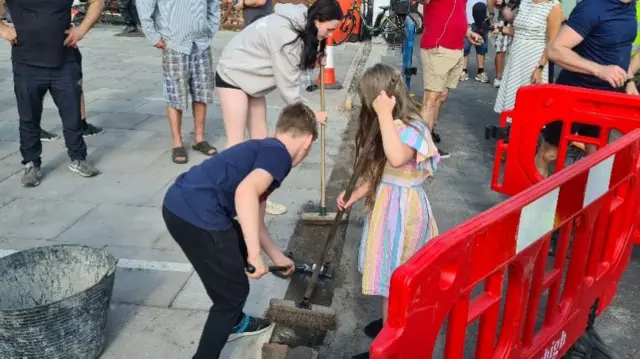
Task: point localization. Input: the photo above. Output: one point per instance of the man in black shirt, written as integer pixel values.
(44, 59)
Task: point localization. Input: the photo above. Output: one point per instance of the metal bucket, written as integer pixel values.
(54, 302)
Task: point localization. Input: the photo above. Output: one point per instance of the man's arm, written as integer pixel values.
(146, 9)
(213, 16)
(247, 199)
(254, 3)
(94, 12)
(634, 66)
(560, 51)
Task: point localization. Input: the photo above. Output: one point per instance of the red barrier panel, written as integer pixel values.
(600, 197)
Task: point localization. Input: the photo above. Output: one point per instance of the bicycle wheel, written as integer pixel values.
(345, 29)
(417, 19)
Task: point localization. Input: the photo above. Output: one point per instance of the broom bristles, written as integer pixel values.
(285, 312)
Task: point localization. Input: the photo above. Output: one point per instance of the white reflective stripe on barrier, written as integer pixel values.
(538, 217)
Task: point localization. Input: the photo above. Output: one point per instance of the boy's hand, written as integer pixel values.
(281, 260)
(342, 205)
(260, 265)
(383, 104)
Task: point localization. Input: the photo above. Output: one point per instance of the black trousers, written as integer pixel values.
(129, 12)
(219, 258)
(31, 84)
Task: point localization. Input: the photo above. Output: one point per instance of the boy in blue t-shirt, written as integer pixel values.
(199, 210)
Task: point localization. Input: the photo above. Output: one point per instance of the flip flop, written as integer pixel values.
(205, 148)
(179, 152)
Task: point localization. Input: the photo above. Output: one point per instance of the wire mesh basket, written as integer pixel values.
(54, 302)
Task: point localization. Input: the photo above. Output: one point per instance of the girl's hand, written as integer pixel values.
(321, 116)
(536, 76)
(341, 203)
(383, 104)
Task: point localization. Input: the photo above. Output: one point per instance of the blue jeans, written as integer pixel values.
(31, 83)
(480, 50)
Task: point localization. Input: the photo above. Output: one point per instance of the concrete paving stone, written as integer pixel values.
(194, 296)
(146, 287)
(110, 224)
(147, 254)
(306, 176)
(117, 106)
(148, 332)
(127, 121)
(19, 244)
(8, 129)
(151, 107)
(112, 161)
(157, 200)
(30, 218)
(120, 139)
(166, 242)
(281, 228)
(132, 189)
(8, 147)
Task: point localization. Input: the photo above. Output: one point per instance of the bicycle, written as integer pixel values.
(390, 27)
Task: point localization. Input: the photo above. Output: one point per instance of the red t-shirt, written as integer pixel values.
(445, 24)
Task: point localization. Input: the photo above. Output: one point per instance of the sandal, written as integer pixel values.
(205, 148)
(179, 155)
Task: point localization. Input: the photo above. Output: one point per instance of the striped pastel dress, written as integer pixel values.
(401, 221)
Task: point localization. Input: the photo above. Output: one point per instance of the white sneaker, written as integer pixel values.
(482, 78)
(464, 76)
(496, 83)
(275, 209)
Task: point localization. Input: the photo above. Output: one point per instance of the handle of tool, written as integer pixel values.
(323, 165)
(371, 135)
(251, 269)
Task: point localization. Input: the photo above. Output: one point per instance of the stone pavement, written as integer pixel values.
(159, 305)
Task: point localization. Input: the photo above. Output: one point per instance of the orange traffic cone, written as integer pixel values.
(329, 71)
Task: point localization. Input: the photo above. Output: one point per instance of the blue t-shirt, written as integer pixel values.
(205, 195)
(608, 28)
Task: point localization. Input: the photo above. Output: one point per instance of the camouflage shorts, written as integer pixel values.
(185, 75)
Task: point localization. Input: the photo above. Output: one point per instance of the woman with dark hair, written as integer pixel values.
(271, 53)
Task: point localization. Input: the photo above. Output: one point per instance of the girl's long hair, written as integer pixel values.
(370, 162)
(312, 48)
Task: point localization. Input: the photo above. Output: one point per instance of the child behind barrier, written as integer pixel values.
(401, 159)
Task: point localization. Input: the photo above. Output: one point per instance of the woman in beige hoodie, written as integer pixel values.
(270, 54)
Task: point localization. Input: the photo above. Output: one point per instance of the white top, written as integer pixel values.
(470, 4)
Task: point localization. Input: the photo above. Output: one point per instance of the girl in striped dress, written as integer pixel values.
(403, 157)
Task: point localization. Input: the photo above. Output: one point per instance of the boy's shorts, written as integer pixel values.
(502, 42)
(441, 68)
(185, 75)
(480, 49)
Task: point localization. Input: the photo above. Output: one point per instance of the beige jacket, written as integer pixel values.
(256, 61)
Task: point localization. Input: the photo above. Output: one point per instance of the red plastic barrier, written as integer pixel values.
(600, 197)
(537, 106)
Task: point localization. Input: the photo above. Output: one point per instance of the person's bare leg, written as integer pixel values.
(547, 153)
(429, 108)
(480, 61)
(499, 64)
(257, 119)
(175, 122)
(235, 109)
(465, 66)
(257, 123)
(442, 98)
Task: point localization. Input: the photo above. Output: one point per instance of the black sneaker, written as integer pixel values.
(91, 130)
(373, 329)
(47, 136)
(444, 154)
(435, 137)
(31, 176)
(83, 168)
(249, 326)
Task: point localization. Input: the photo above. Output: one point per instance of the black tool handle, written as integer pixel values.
(251, 269)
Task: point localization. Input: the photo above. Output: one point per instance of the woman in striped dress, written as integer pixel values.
(537, 23)
(391, 175)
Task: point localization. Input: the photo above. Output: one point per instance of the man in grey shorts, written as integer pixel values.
(183, 30)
